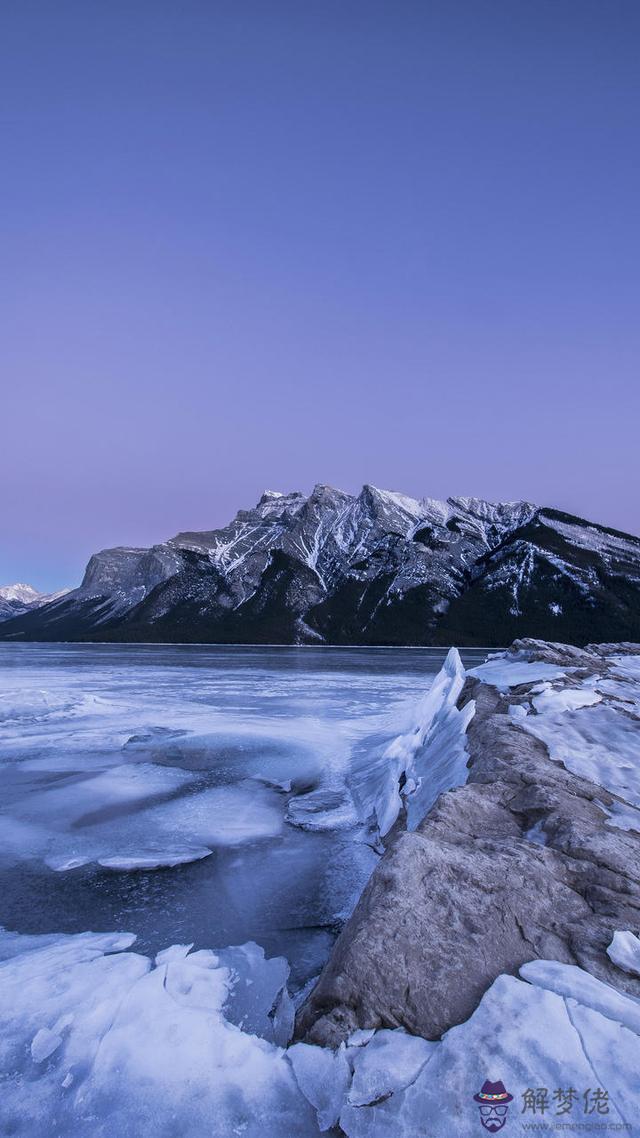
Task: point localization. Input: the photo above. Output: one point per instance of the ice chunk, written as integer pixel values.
(389, 1063)
(258, 1000)
(623, 816)
(518, 711)
(152, 859)
(174, 952)
(420, 764)
(322, 809)
(624, 950)
(505, 673)
(569, 981)
(96, 1041)
(323, 1077)
(523, 1035)
(440, 764)
(565, 699)
(43, 1044)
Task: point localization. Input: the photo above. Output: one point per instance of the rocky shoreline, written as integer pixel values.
(524, 862)
(494, 954)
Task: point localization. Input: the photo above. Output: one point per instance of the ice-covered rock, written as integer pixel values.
(592, 737)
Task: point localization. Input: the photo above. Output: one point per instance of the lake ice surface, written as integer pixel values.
(194, 794)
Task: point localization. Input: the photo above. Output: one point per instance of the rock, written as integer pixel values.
(515, 866)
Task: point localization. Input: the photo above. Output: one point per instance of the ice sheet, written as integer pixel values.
(152, 859)
(96, 1040)
(422, 762)
(597, 742)
(505, 673)
(564, 699)
(97, 1044)
(121, 767)
(525, 1035)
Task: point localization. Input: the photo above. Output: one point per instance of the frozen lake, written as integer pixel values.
(194, 794)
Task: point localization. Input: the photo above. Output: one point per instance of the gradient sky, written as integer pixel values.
(262, 243)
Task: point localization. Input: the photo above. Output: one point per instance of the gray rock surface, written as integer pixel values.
(519, 864)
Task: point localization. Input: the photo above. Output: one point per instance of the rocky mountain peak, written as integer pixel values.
(379, 567)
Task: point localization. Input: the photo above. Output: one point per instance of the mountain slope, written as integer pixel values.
(20, 598)
(376, 568)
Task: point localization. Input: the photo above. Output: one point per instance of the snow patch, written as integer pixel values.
(624, 950)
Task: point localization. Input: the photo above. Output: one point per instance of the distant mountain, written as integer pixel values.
(21, 598)
(376, 568)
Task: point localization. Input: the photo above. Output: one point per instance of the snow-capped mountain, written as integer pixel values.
(376, 568)
(20, 598)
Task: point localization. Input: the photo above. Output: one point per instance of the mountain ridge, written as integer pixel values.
(379, 567)
(19, 598)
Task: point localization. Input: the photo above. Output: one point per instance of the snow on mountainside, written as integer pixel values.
(19, 598)
(374, 568)
(24, 594)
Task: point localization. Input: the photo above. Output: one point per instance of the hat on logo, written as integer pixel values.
(493, 1094)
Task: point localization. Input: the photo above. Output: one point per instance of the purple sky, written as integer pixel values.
(250, 244)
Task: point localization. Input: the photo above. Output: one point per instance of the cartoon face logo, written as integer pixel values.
(494, 1101)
